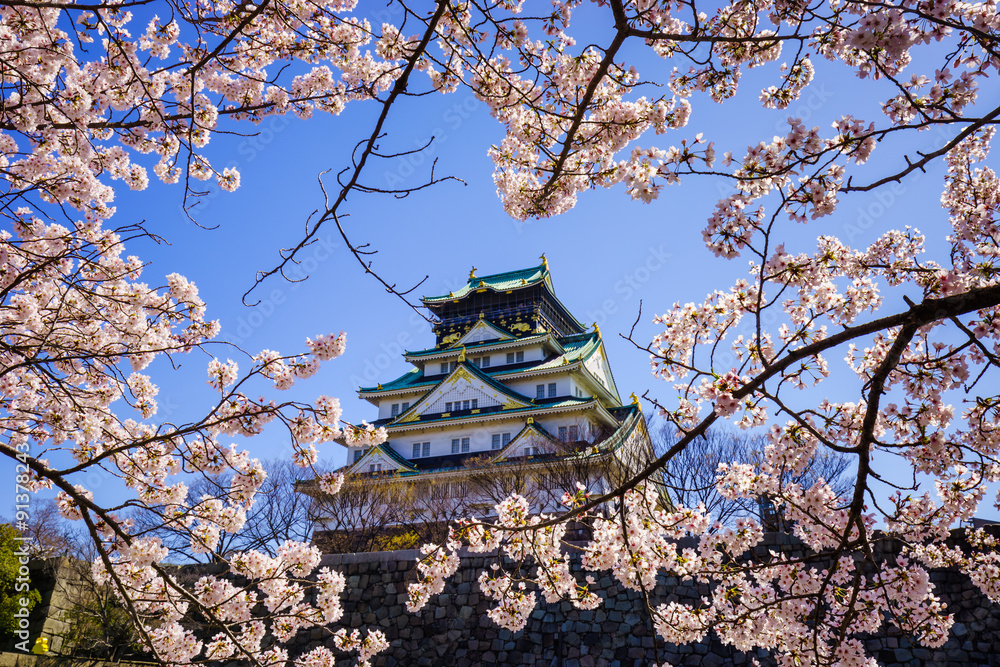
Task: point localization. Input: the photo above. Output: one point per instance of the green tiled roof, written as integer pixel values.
(576, 348)
(526, 340)
(569, 401)
(539, 429)
(390, 453)
(499, 282)
(474, 372)
(411, 378)
(499, 386)
(630, 418)
(396, 456)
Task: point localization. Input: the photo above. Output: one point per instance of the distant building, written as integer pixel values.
(515, 388)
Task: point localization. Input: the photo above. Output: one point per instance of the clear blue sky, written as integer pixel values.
(605, 255)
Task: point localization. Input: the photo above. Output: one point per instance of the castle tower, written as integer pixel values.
(513, 379)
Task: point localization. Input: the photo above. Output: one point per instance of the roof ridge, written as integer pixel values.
(545, 267)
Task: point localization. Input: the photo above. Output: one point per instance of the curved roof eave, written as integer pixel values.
(497, 282)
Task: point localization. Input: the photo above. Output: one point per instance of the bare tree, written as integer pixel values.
(99, 624)
(690, 477)
(368, 514)
(48, 533)
(279, 514)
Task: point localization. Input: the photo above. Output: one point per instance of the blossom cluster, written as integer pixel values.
(78, 335)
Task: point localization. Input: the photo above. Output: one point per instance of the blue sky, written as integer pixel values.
(605, 255)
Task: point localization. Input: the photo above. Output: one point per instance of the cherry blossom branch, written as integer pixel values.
(926, 158)
(332, 210)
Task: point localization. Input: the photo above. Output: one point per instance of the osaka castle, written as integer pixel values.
(514, 388)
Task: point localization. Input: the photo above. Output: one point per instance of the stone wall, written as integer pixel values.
(453, 629)
(59, 583)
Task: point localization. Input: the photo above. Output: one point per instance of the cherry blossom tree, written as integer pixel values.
(92, 95)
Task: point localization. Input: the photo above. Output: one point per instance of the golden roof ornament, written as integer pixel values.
(472, 273)
(545, 262)
(635, 401)
(597, 329)
(461, 355)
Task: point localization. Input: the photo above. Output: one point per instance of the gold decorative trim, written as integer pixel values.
(460, 374)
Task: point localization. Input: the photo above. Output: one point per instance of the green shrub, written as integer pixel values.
(15, 587)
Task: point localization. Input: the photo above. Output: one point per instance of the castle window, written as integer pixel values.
(552, 390)
(500, 440)
(427, 449)
(454, 445)
(465, 445)
(405, 407)
(421, 449)
(444, 367)
(453, 365)
(358, 453)
(375, 467)
(531, 451)
(486, 362)
(465, 405)
(562, 433)
(510, 357)
(520, 356)
(395, 409)
(416, 450)
(540, 391)
(475, 403)
(574, 433)
(447, 407)
(476, 361)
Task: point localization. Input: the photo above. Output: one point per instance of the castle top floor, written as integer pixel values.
(523, 302)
